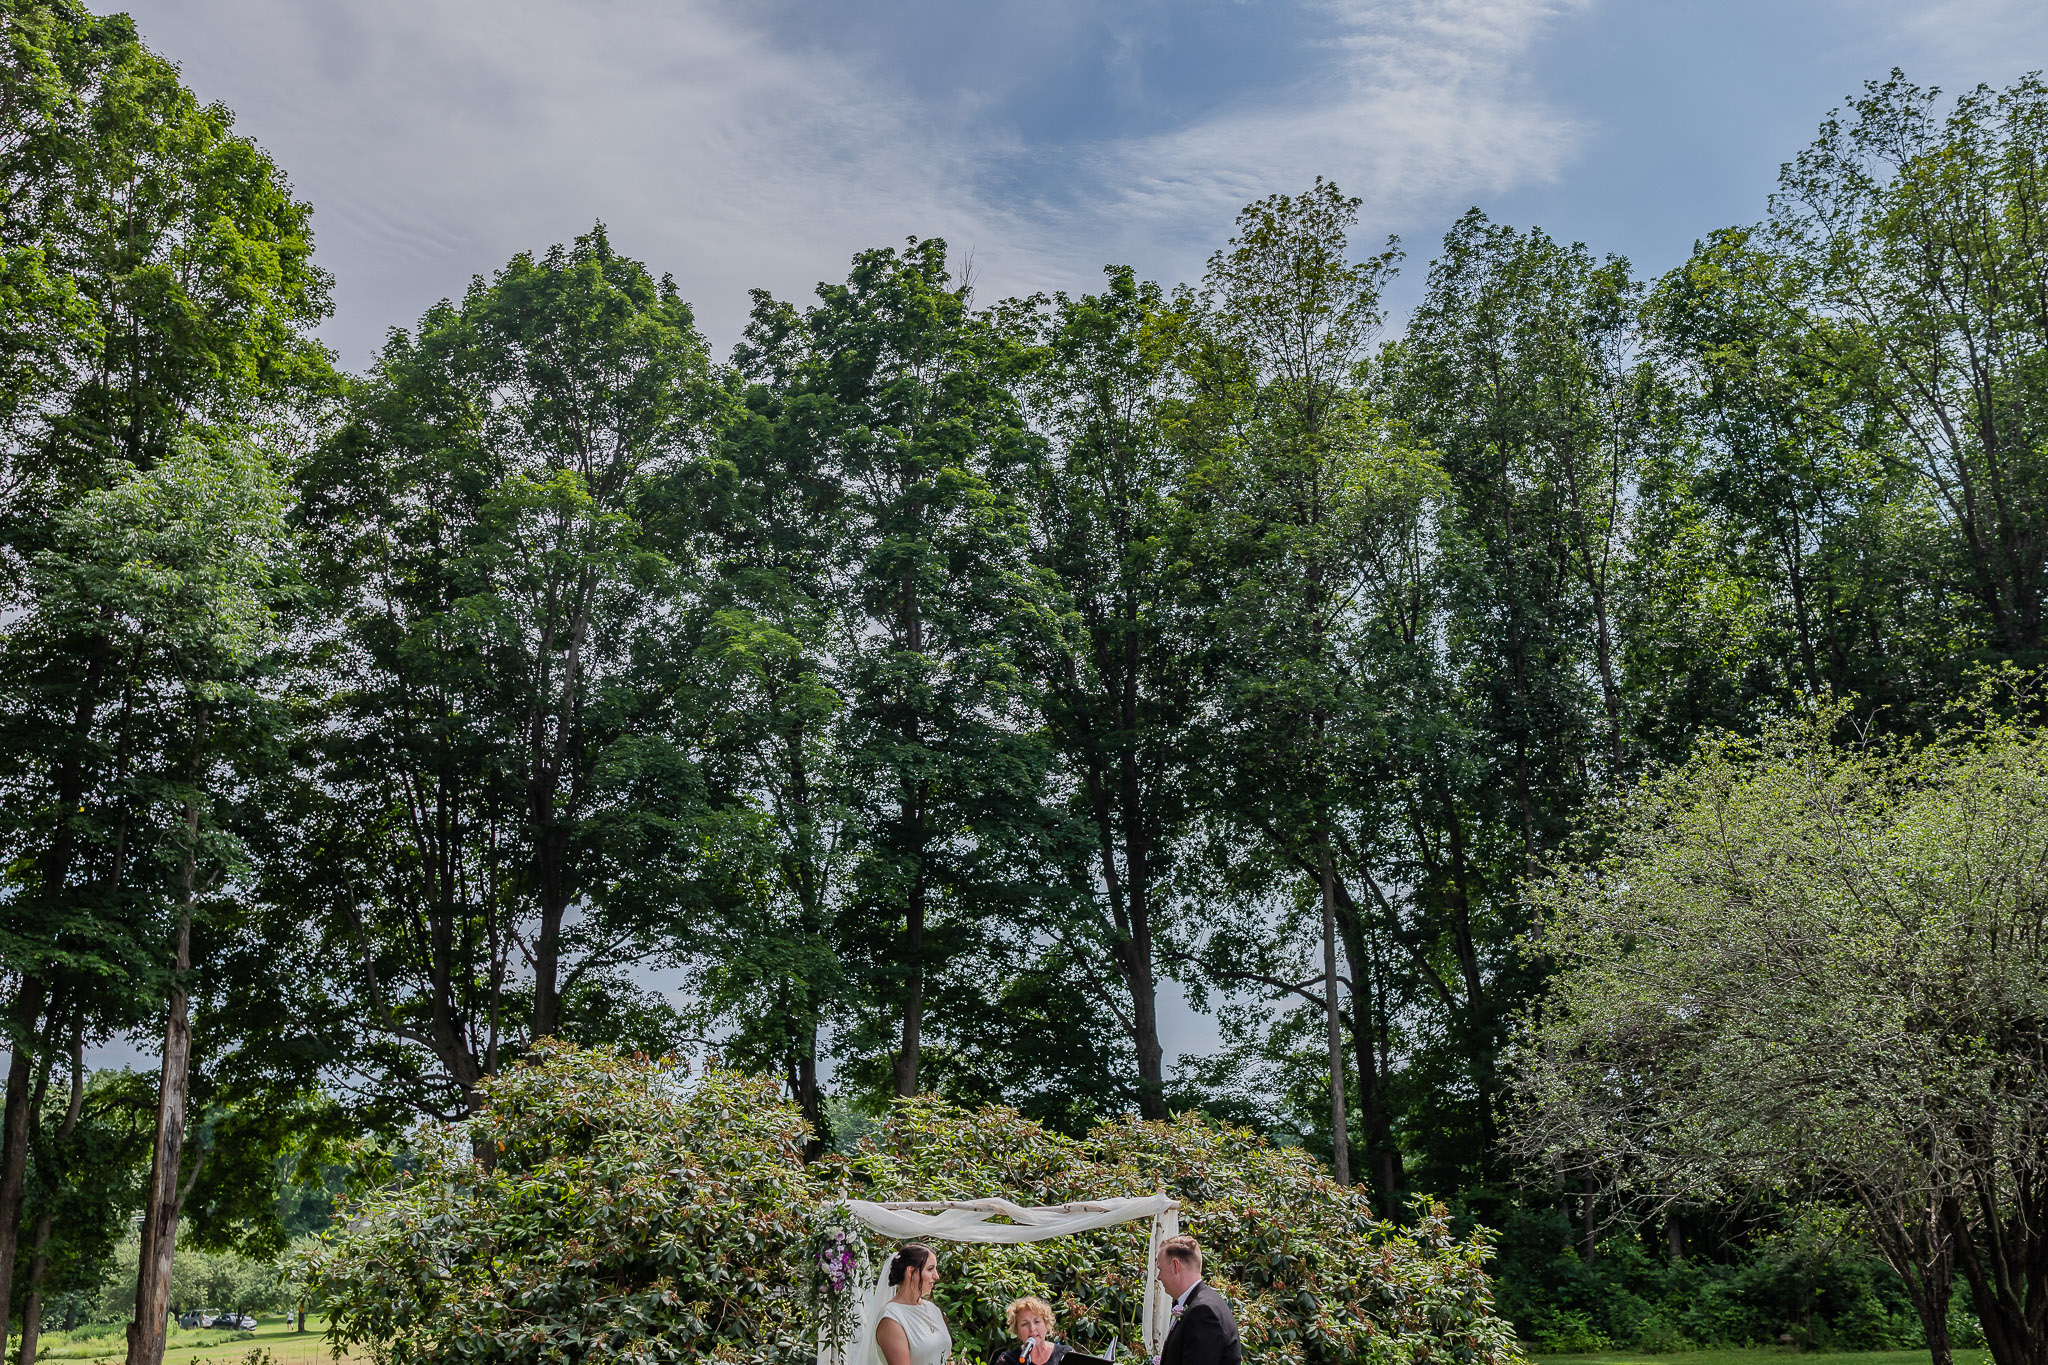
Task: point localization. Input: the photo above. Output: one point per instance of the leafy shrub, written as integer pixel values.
(1659, 1337)
(1822, 1289)
(594, 1206)
(1557, 1331)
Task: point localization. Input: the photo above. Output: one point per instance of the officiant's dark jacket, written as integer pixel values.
(1206, 1333)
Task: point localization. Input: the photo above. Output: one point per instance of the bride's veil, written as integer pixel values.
(860, 1349)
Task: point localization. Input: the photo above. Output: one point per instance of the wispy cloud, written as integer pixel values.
(1424, 103)
(436, 137)
(1994, 39)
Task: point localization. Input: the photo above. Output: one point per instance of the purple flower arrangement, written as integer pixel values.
(837, 1260)
(836, 1279)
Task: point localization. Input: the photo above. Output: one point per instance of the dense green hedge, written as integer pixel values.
(603, 1206)
(1813, 1290)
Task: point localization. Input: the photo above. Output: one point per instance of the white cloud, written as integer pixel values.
(436, 137)
(1426, 105)
(1995, 40)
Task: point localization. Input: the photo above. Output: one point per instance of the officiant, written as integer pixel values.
(1031, 1324)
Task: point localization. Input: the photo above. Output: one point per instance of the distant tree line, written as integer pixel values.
(931, 681)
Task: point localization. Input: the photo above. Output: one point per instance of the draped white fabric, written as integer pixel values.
(968, 1222)
(1158, 1303)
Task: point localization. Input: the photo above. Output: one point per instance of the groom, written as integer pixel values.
(1204, 1332)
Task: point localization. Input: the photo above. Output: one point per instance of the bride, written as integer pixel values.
(912, 1330)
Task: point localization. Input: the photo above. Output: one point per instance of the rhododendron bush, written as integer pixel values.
(603, 1206)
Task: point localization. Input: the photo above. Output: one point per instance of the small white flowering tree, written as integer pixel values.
(1821, 968)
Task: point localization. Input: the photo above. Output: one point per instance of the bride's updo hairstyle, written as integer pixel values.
(910, 1256)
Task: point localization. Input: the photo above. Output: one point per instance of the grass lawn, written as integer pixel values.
(273, 1335)
(1759, 1356)
(290, 1348)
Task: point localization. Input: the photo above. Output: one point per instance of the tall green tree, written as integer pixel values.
(1926, 232)
(1116, 696)
(503, 531)
(157, 279)
(1785, 549)
(174, 572)
(903, 393)
(1307, 510)
(769, 950)
(1520, 370)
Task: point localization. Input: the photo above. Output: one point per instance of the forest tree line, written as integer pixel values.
(930, 683)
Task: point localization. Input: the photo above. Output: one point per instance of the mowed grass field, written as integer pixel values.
(273, 1335)
(287, 1347)
(1760, 1356)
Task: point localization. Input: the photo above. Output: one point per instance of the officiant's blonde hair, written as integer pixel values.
(1019, 1308)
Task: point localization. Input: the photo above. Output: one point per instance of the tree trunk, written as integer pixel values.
(1139, 970)
(1920, 1243)
(14, 1125)
(911, 807)
(39, 1260)
(1795, 580)
(2007, 1267)
(1145, 1025)
(913, 1000)
(1478, 1008)
(1940, 1350)
(1375, 1124)
(809, 1100)
(160, 1213)
(547, 975)
(32, 1307)
(1129, 893)
(1931, 1297)
(1340, 1136)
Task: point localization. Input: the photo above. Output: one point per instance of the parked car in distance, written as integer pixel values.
(198, 1317)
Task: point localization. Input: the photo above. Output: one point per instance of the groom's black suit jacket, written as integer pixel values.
(1206, 1333)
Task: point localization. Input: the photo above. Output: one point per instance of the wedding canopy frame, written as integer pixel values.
(967, 1221)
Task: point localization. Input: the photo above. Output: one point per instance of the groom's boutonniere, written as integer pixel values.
(1178, 1309)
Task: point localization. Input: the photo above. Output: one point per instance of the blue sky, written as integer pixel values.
(759, 143)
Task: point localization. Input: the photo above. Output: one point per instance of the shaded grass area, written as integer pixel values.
(190, 1346)
(1762, 1355)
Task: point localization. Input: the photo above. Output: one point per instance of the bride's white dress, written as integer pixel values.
(925, 1328)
